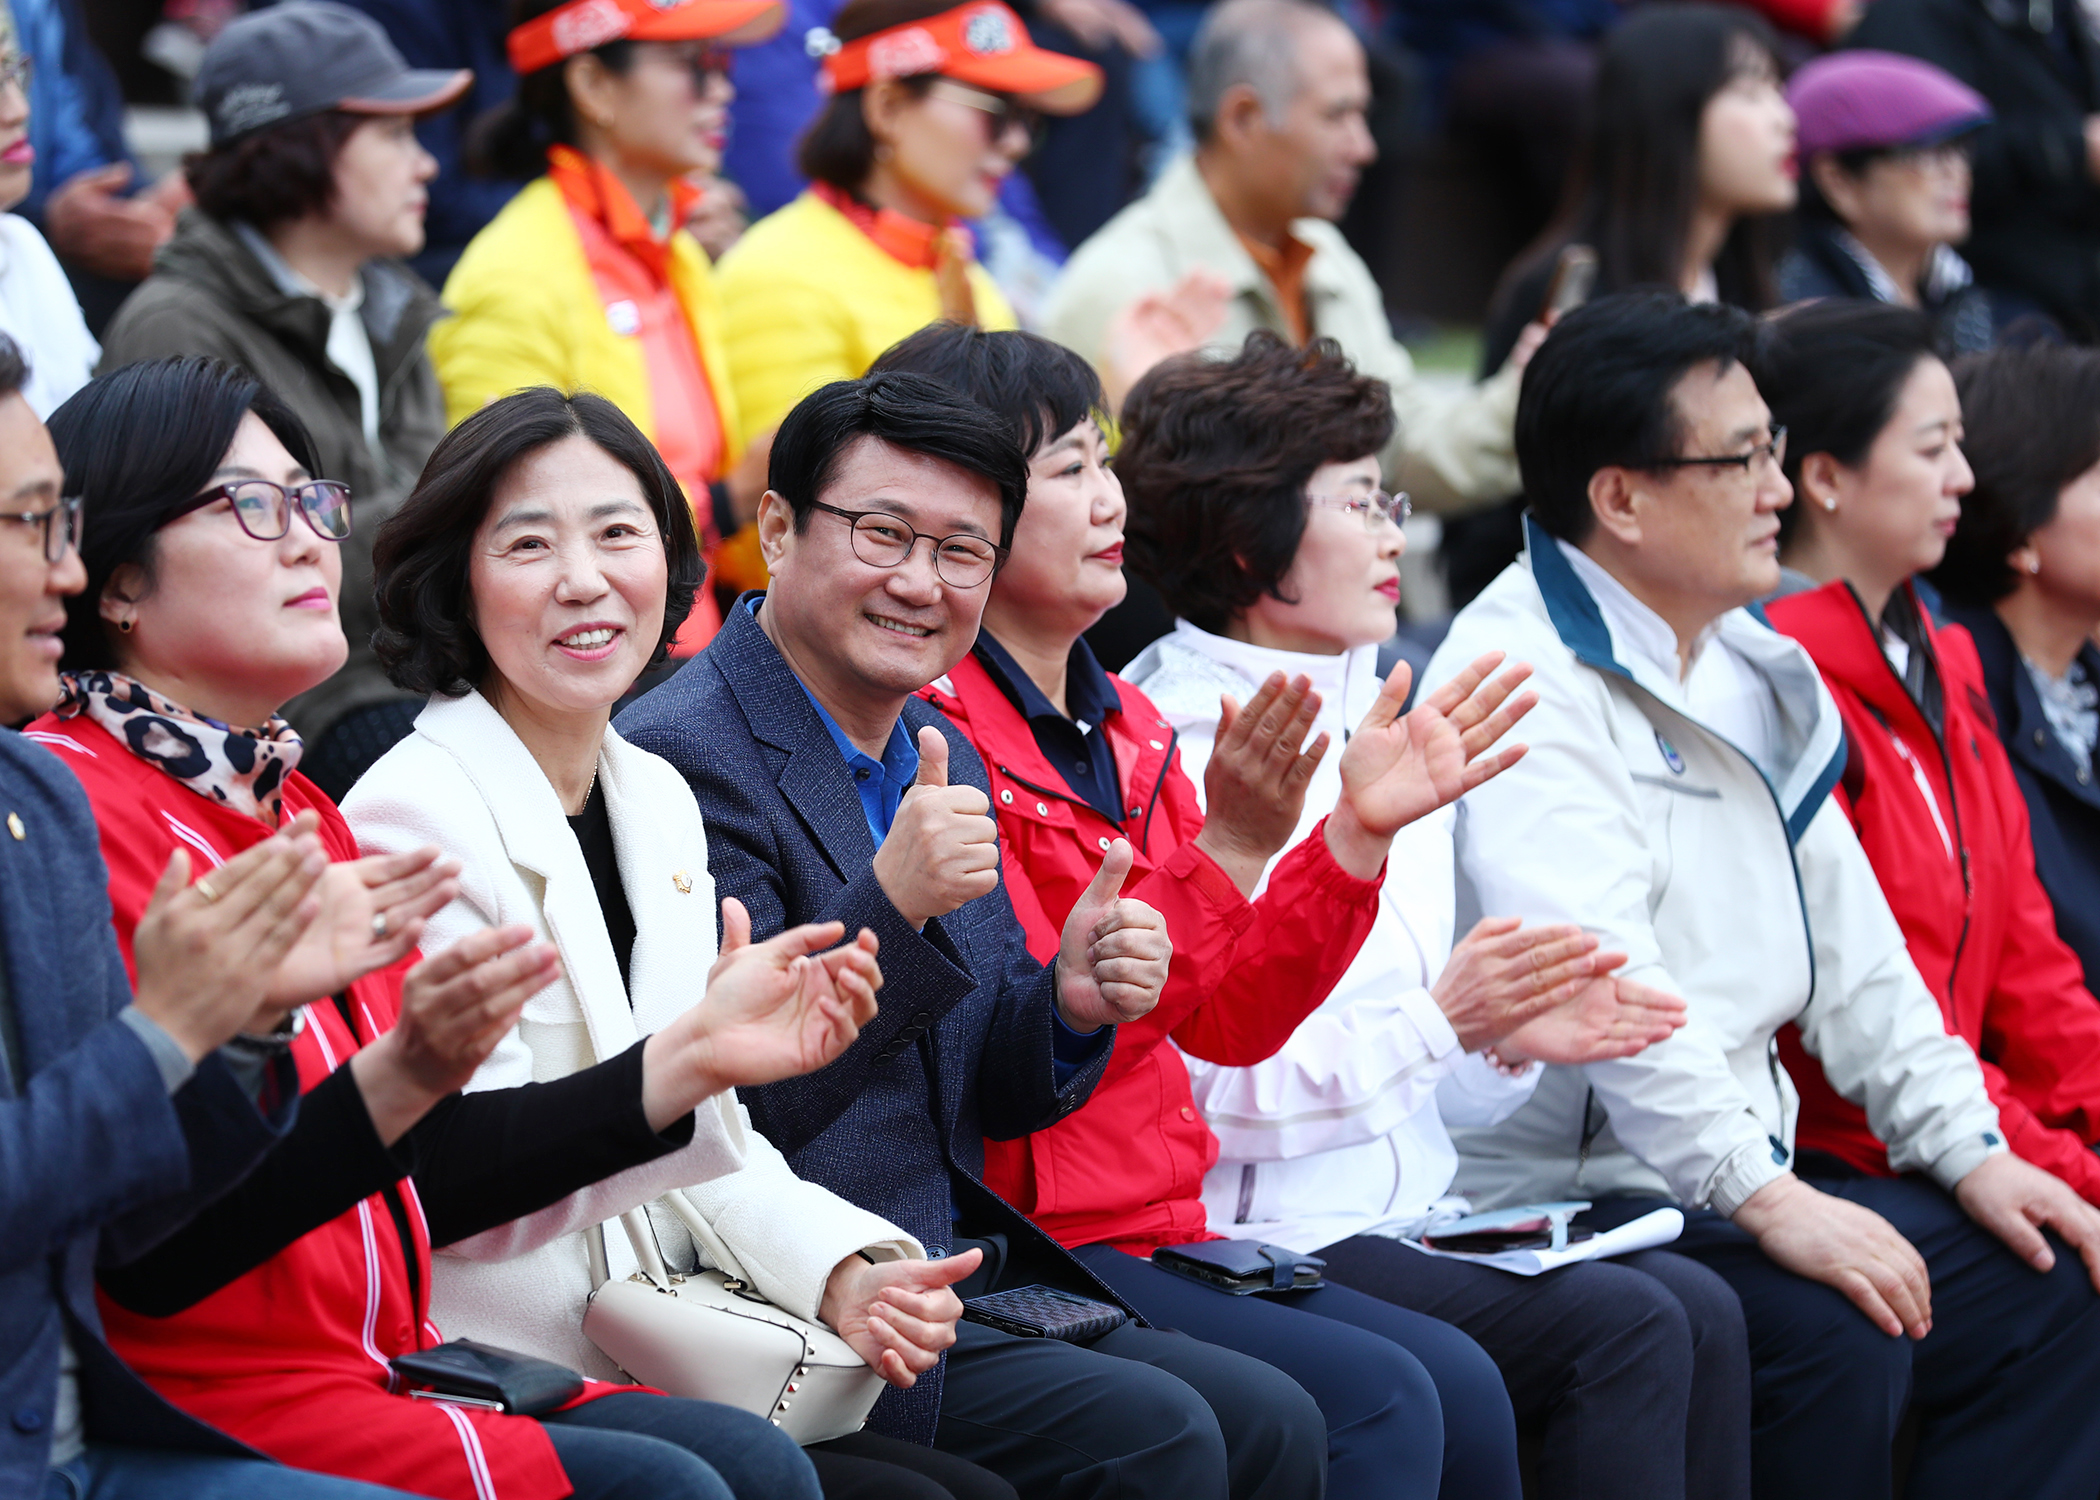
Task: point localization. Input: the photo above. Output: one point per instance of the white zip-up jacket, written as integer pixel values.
(1342, 1132)
(1737, 886)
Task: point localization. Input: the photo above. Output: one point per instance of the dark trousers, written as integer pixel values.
(1138, 1413)
(1636, 1370)
(870, 1466)
(2006, 1385)
(1413, 1407)
(638, 1446)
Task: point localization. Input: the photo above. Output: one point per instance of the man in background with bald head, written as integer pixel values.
(1240, 236)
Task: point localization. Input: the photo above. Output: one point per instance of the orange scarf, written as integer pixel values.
(946, 250)
(587, 186)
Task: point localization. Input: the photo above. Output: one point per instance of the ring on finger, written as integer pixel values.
(379, 926)
(205, 888)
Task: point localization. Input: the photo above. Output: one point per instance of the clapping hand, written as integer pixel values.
(1112, 958)
(1397, 769)
(1610, 1016)
(898, 1315)
(372, 913)
(1158, 325)
(772, 1010)
(1254, 783)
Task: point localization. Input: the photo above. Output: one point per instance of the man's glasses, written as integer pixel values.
(884, 541)
(264, 509)
(61, 525)
(1002, 113)
(1375, 506)
(15, 68)
(1772, 449)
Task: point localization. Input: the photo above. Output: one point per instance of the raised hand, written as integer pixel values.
(455, 1008)
(1158, 325)
(943, 847)
(1112, 958)
(1254, 785)
(372, 913)
(898, 1315)
(772, 1010)
(1852, 1249)
(2014, 1200)
(1503, 975)
(1609, 1017)
(204, 952)
(1397, 769)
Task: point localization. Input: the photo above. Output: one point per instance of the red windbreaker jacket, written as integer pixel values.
(1127, 1169)
(1942, 819)
(292, 1358)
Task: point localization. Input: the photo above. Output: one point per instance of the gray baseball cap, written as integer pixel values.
(301, 58)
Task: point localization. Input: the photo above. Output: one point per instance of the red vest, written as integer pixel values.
(1127, 1169)
(292, 1358)
(1942, 820)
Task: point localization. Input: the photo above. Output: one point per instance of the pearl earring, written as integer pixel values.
(2034, 565)
(1830, 502)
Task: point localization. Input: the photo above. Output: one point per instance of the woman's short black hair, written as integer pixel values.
(426, 639)
(511, 139)
(275, 175)
(1042, 388)
(138, 445)
(2032, 416)
(837, 148)
(1597, 395)
(906, 411)
(1832, 371)
(14, 369)
(1215, 458)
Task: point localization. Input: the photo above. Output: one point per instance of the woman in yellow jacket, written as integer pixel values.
(587, 279)
(932, 105)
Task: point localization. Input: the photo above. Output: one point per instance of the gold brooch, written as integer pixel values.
(679, 878)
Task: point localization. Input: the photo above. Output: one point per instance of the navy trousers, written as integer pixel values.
(2007, 1384)
(1414, 1408)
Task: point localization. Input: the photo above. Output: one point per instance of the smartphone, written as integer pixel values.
(1574, 278)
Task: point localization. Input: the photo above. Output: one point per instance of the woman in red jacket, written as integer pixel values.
(1079, 758)
(1874, 451)
(210, 599)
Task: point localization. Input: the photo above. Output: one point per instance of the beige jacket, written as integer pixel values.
(1452, 452)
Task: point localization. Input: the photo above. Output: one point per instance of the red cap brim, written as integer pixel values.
(735, 23)
(1048, 81)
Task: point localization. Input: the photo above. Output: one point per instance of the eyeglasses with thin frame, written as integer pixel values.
(264, 508)
(882, 540)
(1004, 114)
(15, 68)
(60, 525)
(1375, 506)
(1772, 448)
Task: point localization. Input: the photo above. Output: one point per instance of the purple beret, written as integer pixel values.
(1847, 101)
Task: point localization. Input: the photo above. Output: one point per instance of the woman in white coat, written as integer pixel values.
(1255, 509)
(544, 561)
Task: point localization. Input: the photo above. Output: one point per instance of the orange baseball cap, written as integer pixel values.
(981, 43)
(583, 24)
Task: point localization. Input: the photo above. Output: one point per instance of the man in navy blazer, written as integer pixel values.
(830, 792)
(118, 1118)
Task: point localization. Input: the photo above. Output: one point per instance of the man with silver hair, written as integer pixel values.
(1240, 235)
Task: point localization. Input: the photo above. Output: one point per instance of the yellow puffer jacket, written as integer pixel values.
(525, 311)
(811, 299)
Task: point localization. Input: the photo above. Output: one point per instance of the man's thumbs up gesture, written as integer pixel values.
(943, 847)
(1112, 960)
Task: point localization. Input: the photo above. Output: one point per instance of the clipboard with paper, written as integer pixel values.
(1533, 1238)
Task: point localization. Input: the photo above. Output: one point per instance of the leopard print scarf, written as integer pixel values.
(244, 769)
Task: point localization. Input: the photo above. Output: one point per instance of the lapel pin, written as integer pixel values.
(679, 878)
(14, 826)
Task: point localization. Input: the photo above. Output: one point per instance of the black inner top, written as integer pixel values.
(1078, 746)
(594, 835)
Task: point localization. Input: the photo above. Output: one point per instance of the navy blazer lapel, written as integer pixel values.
(30, 929)
(775, 705)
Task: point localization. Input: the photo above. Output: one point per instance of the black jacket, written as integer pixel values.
(1820, 266)
(2063, 795)
(2037, 208)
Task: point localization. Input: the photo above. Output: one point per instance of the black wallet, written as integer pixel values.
(1242, 1267)
(1044, 1312)
(482, 1375)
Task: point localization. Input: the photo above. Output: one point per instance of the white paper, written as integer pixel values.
(1644, 1233)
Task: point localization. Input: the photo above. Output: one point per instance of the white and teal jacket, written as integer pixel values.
(1737, 886)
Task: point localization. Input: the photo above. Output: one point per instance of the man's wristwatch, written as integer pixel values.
(268, 1045)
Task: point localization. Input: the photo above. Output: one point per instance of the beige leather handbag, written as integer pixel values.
(711, 1337)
